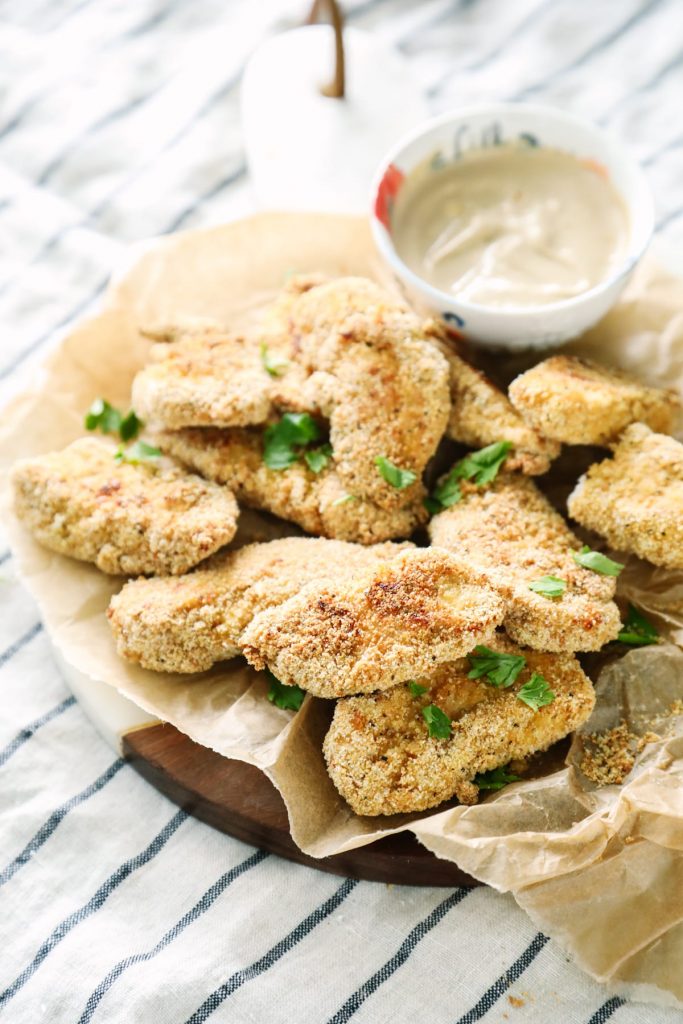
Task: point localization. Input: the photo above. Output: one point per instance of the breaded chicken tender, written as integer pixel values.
(385, 624)
(481, 414)
(204, 379)
(187, 623)
(382, 759)
(125, 518)
(635, 499)
(375, 375)
(319, 503)
(512, 534)
(579, 402)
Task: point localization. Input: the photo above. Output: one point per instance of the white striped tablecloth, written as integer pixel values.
(119, 121)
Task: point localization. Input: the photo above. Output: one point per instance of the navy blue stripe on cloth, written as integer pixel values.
(207, 900)
(599, 47)
(354, 1002)
(14, 648)
(502, 984)
(32, 728)
(5, 557)
(644, 87)
(94, 903)
(669, 218)
(56, 818)
(273, 955)
(607, 1010)
(205, 197)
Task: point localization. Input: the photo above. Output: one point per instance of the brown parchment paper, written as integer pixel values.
(600, 870)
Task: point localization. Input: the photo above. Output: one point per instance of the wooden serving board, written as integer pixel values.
(238, 799)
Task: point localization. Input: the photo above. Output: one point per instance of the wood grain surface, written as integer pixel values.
(238, 799)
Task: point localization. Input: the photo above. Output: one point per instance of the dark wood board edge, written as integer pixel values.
(238, 799)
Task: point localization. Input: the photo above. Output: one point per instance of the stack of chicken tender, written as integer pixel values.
(357, 612)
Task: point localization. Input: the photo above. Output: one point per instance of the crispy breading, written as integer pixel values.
(320, 503)
(187, 623)
(382, 759)
(125, 518)
(481, 414)
(511, 532)
(375, 375)
(580, 402)
(204, 379)
(635, 499)
(386, 624)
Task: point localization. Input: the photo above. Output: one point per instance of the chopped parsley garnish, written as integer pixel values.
(317, 458)
(394, 475)
(479, 467)
(137, 453)
(499, 669)
(108, 420)
(637, 631)
(345, 498)
(497, 778)
(273, 363)
(536, 693)
(283, 441)
(438, 723)
(597, 562)
(289, 698)
(549, 586)
(416, 689)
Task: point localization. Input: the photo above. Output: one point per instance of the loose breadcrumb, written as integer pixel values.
(634, 499)
(609, 756)
(127, 519)
(580, 402)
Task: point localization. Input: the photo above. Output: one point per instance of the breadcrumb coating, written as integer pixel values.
(382, 759)
(320, 503)
(635, 499)
(374, 374)
(511, 532)
(481, 414)
(577, 401)
(127, 519)
(382, 626)
(187, 623)
(204, 379)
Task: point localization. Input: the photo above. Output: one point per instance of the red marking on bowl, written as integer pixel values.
(386, 194)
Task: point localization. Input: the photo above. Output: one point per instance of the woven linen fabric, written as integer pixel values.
(119, 121)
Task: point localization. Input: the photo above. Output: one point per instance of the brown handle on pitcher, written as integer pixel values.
(331, 9)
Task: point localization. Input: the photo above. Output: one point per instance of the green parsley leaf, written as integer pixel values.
(137, 453)
(394, 475)
(497, 778)
(597, 562)
(432, 505)
(416, 689)
(130, 427)
(289, 698)
(317, 458)
(637, 631)
(273, 363)
(536, 693)
(281, 439)
(549, 586)
(480, 467)
(345, 498)
(499, 669)
(438, 723)
(103, 417)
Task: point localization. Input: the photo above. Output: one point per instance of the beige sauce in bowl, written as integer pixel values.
(511, 226)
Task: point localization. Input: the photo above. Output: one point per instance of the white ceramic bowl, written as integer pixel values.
(451, 135)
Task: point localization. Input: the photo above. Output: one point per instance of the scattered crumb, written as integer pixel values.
(610, 755)
(676, 708)
(628, 840)
(648, 737)
(516, 1001)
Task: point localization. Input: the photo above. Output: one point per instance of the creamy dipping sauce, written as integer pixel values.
(511, 226)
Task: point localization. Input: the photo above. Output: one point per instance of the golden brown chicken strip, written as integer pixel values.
(579, 402)
(187, 623)
(204, 379)
(635, 499)
(481, 415)
(125, 518)
(383, 760)
(511, 532)
(380, 627)
(374, 373)
(319, 503)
